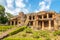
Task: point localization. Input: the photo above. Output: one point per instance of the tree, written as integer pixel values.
(3, 18)
(9, 15)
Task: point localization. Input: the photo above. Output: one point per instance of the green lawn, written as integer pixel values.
(5, 28)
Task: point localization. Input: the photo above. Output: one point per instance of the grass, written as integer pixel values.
(18, 30)
(0, 32)
(29, 34)
(56, 33)
(5, 28)
(25, 33)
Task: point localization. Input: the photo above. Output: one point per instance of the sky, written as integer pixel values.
(29, 6)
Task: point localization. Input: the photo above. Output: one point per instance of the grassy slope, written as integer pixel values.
(29, 34)
(34, 35)
(5, 28)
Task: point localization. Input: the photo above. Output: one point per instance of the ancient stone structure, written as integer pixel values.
(44, 20)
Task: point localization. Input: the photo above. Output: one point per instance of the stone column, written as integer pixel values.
(33, 24)
(10, 22)
(42, 25)
(53, 16)
(49, 24)
(17, 22)
(36, 17)
(27, 17)
(55, 24)
(14, 22)
(36, 24)
(47, 16)
(42, 16)
(31, 17)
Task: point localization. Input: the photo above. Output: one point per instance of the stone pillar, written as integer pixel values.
(36, 17)
(49, 24)
(27, 17)
(55, 24)
(47, 16)
(14, 22)
(42, 25)
(36, 24)
(33, 24)
(17, 22)
(10, 22)
(53, 16)
(42, 16)
(31, 17)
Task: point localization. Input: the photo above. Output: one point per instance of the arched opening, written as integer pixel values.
(50, 15)
(46, 23)
(16, 23)
(12, 22)
(45, 16)
(39, 24)
(29, 17)
(33, 17)
(40, 16)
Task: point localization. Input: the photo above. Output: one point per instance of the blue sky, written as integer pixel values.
(28, 6)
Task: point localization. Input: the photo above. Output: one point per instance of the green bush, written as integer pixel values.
(41, 33)
(28, 30)
(18, 30)
(44, 33)
(19, 39)
(40, 39)
(5, 28)
(57, 32)
(24, 34)
(47, 38)
(36, 34)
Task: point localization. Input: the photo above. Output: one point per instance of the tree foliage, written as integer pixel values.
(9, 15)
(3, 18)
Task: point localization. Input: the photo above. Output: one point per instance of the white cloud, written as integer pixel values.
(9, 3)
(19, 3)
(17, 10)
(25, 10)
(44, 5)
(13, 11)
(20, 6)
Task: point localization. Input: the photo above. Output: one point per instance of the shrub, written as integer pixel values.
(5, 28)
(18, 30)
(24, 34)
(47, 38)
(57, 32)
(40, 39)
(28, 30)
(19, 39)
(40, 33)
(36, 34)
(44, 33)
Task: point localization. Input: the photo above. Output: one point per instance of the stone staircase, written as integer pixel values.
(6, 33)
